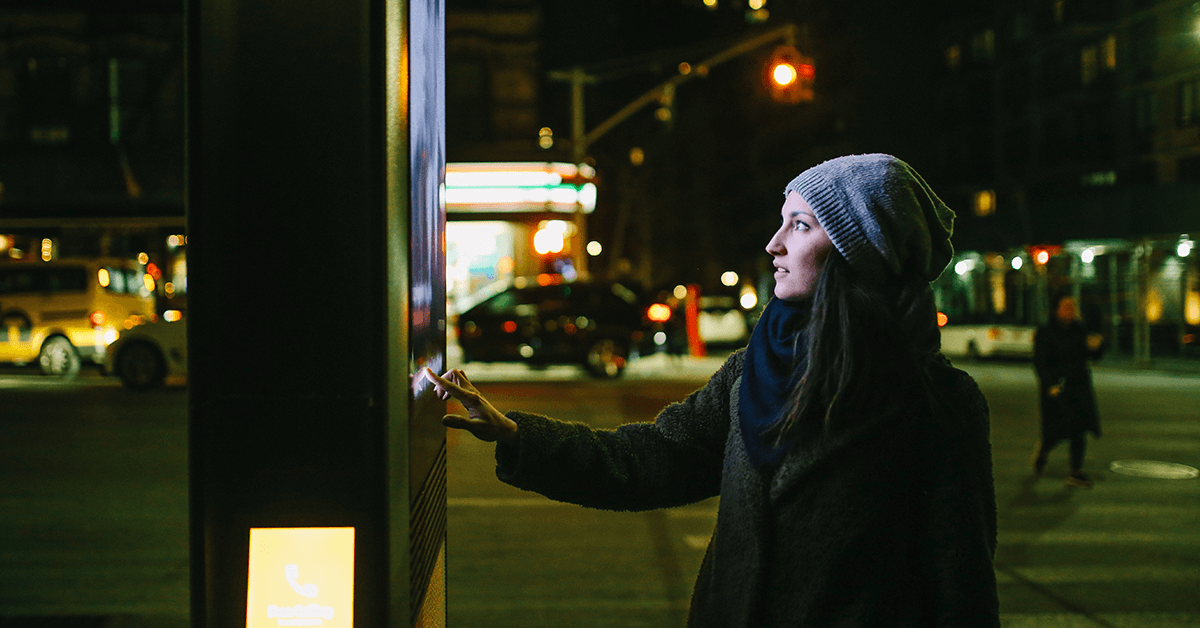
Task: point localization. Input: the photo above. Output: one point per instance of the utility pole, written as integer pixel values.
(579, 145)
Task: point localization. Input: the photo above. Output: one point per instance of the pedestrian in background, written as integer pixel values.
(1061, 351)
(852, 461)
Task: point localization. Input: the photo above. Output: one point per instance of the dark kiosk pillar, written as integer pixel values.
(316, 289)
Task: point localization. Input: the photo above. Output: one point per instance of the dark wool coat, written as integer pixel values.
(890, 523)
(1060, 355)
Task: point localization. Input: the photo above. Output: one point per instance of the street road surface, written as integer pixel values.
(93, 509)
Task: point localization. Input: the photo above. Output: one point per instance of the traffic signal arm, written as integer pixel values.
(804, 71)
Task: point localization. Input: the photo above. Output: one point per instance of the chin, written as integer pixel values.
(789, 294)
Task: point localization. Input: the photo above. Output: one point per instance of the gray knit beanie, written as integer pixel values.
(880, 214)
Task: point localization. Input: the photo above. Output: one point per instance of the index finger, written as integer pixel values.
(454, 389)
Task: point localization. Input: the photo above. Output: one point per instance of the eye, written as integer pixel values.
(801, 226)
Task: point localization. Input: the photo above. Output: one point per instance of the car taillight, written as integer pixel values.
(994, 333)
(97, 318)
(942, 319)
(659, 313)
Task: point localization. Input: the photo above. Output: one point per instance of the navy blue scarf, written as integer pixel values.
(775, 360)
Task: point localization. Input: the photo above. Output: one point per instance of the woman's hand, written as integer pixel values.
(483, 420)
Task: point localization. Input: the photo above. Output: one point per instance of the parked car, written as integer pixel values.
(987, 340)
(145, 356)
(723, 324)
(597, 325)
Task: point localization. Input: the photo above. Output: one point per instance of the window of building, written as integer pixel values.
(1189, 102)
(1099, 178)
(953, 56)
(1088, 64)
(1097, 58)
(985, 203)
(983, 45)
(1058, 9)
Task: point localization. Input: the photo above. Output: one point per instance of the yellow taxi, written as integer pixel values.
(66, 312)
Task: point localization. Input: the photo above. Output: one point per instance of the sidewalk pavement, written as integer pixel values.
(1124, 361)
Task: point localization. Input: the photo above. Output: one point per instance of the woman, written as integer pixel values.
(1068, 404)
(852, 462)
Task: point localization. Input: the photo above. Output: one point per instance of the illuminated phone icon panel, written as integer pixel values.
(292, 573)
(300, 577)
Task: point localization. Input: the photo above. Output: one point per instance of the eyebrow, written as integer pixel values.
(798, 213)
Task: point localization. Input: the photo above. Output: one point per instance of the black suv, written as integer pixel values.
(591, 324)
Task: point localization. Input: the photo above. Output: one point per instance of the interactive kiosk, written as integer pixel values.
(316, 275)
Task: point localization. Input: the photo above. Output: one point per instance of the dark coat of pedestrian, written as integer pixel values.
(1061, 352)
(852, 461)
(890, 522)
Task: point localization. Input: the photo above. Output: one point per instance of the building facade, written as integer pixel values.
(1073, 127)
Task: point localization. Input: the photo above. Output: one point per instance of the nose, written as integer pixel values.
(775, 245)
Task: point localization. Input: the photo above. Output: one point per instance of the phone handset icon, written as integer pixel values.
(293, 574)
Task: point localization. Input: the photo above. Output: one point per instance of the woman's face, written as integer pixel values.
(799, 248)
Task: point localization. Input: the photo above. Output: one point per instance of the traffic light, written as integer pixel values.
(789, 75)
(1042, 253)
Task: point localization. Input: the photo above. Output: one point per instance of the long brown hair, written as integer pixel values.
(864, 342)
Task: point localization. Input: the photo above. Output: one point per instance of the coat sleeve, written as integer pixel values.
(959, 542)
(1044, 360)
(675, 460)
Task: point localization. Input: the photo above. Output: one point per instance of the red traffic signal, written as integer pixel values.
(789, 75)
(1041, 254)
